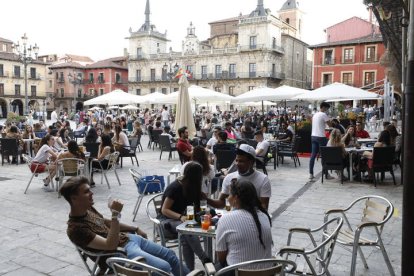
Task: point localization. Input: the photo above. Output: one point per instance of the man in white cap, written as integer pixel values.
(245, 161)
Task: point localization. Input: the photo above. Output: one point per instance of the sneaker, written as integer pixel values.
(92, 185)
(46, 181)
(329, 177)
(311, 177)
(47, 189)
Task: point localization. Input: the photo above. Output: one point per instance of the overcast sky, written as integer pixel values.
(97, 28)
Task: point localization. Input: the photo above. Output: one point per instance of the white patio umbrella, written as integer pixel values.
(115, 97)
(184, 115)
(113, 107)
(258, 103)
(280, 93)
(94, 108)
(338, 91)
(199, 95)
(129, 107)
(152, 98)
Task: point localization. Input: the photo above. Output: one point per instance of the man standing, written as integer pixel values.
(88, 229)
(318, 138)
(183, 146)
(53, 117)
(165, 116)
(245, 161)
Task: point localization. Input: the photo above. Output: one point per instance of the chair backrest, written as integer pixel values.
(325, 249)
(123, 266)
(165, 142)
(92, 148)
(251, 142)
(296, 143)
(40, 134)
(112, 158)
(9, 146)
(377, 209)
(156, 135)
(331, 156)
(383, 156)
(153, 207)
(133, 142)
(224, 158)
(70, 166)
(264, 267)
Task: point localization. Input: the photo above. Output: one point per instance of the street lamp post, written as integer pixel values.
(171, 73)
(25, 56)
(75, 79)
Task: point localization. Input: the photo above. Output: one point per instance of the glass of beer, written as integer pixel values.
(203, 205)
(190, 212)
(228, 206)
(205, 222)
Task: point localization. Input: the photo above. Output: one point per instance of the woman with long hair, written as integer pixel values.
(120, 140)
(137, 130)
(40, 161)
(244, 234)
(350, 139)
(183, 192)
(72, 152)
(92, 136)
(63, 138)
(106, 147)
(384, 140)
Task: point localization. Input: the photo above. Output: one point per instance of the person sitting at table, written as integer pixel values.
(395, 137)
(106, 147)
(167, 132)
(231, 132)
(244, 234)
(213, 140)
(120, 140)
(245, 162)
(63, 138)
(350, 139)
(384, 140)
(41, 160)
(285, 135)
(72, 152)
(247, 132)
(262, 146)
(87, 228)
(183, 145)
(137, 130)
(222, 143)
(13, 133)
(335, 141)
(92, 136)
(360, 131)
(184, 191)
(336, 124)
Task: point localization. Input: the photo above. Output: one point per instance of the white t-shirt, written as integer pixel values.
(318, 124)
(53, 116)
(42, 154)
(264, 145)
(211, 142)
(165, 115)
(237, 234)
(259, 180)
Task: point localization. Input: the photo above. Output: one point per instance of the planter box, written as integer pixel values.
(305, 145)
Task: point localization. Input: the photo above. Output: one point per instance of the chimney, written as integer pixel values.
(370, 14)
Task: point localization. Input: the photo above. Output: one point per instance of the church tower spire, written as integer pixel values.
(147, 14)
(260, 10)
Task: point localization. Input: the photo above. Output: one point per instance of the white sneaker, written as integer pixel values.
(311, 177)
(46, 181)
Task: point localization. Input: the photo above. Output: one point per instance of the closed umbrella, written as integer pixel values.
(184, 115)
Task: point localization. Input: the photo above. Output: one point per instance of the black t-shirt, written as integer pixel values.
(175, 192)
(286, 134)
(223, 146)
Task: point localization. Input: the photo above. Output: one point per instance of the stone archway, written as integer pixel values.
(17, 107)
(79, 106)
(34, 105)
(3, 108)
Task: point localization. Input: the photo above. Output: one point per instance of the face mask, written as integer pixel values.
(248, 172)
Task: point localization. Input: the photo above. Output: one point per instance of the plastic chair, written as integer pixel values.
(138, 267)
(136, 176)
(382, 161)
(40, 134)
(332, 159)
(9, 147)
(112, 158)
(165, 145)
(224, 158)
(375, 211)
(313, 258)
(29, 161)
(156, 137)
(68, 167)
(264, 267)
(153, 210)
(98, 266)
(131, 151)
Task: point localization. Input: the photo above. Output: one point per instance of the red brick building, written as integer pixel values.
(351, 55)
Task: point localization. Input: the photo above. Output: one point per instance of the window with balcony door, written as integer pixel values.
(117, 78)
(189, 68)
(101, 91)
(348, 55)
(138, 75)
(1, 70)
(253, 42)
(231, 90)
(139, 53)
(61, 77)
(218, 71)
(33, 90)
(232, 70)
(164, 90)
(251, 88)
(370, 54)
(17, 71)
(32, 73)
(152, 74)
(369, 79)
(326, 79)
(152, 90)
(347, 78)
(79, 92)
(17, 89)
(90, 77)
(328, 57)
(274, 42)
(1, 89)
(204, 71)
(101, 78)
(138, 91)
(163, 74)
(50, 83)
(252, 70)
(62, 93)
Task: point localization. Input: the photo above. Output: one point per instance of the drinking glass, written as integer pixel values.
(190, 213)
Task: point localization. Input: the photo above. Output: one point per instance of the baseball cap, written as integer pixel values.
(245, 149)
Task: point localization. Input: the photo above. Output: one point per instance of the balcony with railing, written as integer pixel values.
(101, 80)
(18, 75)
(61, 80)
(4, 74)
(328, 61)
(34, 76)
(261, 47)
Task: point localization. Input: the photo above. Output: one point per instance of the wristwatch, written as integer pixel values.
(116, 215)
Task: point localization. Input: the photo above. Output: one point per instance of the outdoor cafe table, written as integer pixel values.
(366, 141)
(351, 151)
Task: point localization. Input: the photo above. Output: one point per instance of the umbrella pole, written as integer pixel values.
(262, 108)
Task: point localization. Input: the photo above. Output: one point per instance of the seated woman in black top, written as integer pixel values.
(184, 191)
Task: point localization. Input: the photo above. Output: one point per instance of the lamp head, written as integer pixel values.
(24, 39)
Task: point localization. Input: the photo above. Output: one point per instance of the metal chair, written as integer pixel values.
(98, 266)
(156, 137)
(288, 150)
(9, 147)
(312, 258)
(112, 158)
(375, 211)
(332, 159)
(34, 171)
(136, 176)
(382, 161)
(68, 167)
(165, 145)
(224, 158)
(131, 151)
(264, 267)
(153, 210)
(139, 146)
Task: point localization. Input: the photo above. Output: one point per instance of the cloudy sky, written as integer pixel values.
(98, 28)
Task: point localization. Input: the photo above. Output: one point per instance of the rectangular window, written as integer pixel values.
(61, 78)
(62, 92)
(164, 74)
(274, 42)
(175, 89)
(1, 89)
(91, 92)
(101, 91)
(50, 83)
(252, 70)
(117, 78)
(152, 90)
(251, 88)
(138, 75)
(101, 78)
(1, 70)
(231, 90)
(16, 71)
(138, 91)
(217, 89)
(369, 78)
(90, 77)
(232, 70)
(348, 55)
(17, 89)
(152, 74)
(79, 92)
(139, 53)
(253, 42)
(326, 79)
(33, 90)
(189, 68)
(164, 90)
(32, 73)
(57, 75)
(370, 54)
(274, 70)
(204, 71)
(218, 71)
(347, 78)
(328, 60)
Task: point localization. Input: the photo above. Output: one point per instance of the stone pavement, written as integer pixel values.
(33, 237)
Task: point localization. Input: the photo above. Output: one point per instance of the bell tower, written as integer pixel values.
(292, 15)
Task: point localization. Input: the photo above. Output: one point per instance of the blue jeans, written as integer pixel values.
(316, 143)
(155, 255)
